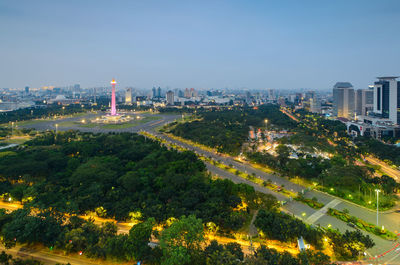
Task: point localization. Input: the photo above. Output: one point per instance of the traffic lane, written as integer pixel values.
(392, 257)
(390, 220)
(394, 173)
(236, 179)
(298, 209)
(381, 245)
(242, 167)
(46, 257)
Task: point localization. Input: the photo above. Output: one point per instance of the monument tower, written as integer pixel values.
(113, 108)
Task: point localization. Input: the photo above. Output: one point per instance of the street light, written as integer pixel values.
(377, 206)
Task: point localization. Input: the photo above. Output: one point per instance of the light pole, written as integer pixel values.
(377, 206)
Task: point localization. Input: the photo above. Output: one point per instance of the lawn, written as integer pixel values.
(131, 124)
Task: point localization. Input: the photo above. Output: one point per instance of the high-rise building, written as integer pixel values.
(343, 100)
(315, 105)
(77, 87)
(154, 92)
(128, 96)
(364, 101)
(387, 98)
(187, 93)
(27, 90)
(309, 95)
(248, 97)
(193, 92)
(158, 92)
(170, 97)
(270, 94)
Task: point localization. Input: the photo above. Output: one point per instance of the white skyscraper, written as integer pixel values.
(343, 100)
(128, 96)
(364, 101)
(170, 97)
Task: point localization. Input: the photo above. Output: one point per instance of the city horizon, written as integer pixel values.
(211, 45)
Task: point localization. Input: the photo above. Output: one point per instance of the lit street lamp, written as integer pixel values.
(377, 206)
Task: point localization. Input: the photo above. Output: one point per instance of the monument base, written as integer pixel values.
(114, 119)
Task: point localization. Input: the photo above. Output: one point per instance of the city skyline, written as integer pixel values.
(204, 45)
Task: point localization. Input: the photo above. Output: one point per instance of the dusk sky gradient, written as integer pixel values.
(201, 44)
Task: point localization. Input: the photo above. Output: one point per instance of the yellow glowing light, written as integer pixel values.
(113, 82)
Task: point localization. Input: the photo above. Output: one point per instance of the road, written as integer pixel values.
(391, 220)
(51, 124)
(47, 257)
(385, 168)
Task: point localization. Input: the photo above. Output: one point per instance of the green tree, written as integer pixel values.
(181, 242)
(140, 236)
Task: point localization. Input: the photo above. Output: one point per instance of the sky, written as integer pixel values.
(285, 44)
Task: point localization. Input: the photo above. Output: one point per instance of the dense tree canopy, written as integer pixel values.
(123, 176)
(227, 130)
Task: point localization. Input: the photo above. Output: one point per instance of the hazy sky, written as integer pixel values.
(201, 44)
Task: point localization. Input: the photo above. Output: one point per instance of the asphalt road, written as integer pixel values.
(385, 168)
(391, 220)
(48, 258)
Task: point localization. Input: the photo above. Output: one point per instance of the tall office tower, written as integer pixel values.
(248, 97)
(364, 101)
(343, 100)
(270, 94)
(180, 93)
(309, 95)
(387, 98)
(315, 105)
(27, 90)
(187, 93)
(193, 92)
(77, 87)
(154, 92)
(128, 96)
(170, 97)
(113, 107)
(159, 92)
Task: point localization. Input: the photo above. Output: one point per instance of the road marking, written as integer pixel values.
(393, 258)
(321, 212)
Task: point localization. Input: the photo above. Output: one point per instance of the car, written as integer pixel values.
(352, 225)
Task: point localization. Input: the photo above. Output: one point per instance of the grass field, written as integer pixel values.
(131, 124)
(76, 124)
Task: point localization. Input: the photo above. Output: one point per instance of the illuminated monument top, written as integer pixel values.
(113, 108)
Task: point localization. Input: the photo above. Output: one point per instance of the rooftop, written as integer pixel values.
(343, 85)
(388, 77)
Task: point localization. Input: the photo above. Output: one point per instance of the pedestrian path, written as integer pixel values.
(321, 212)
